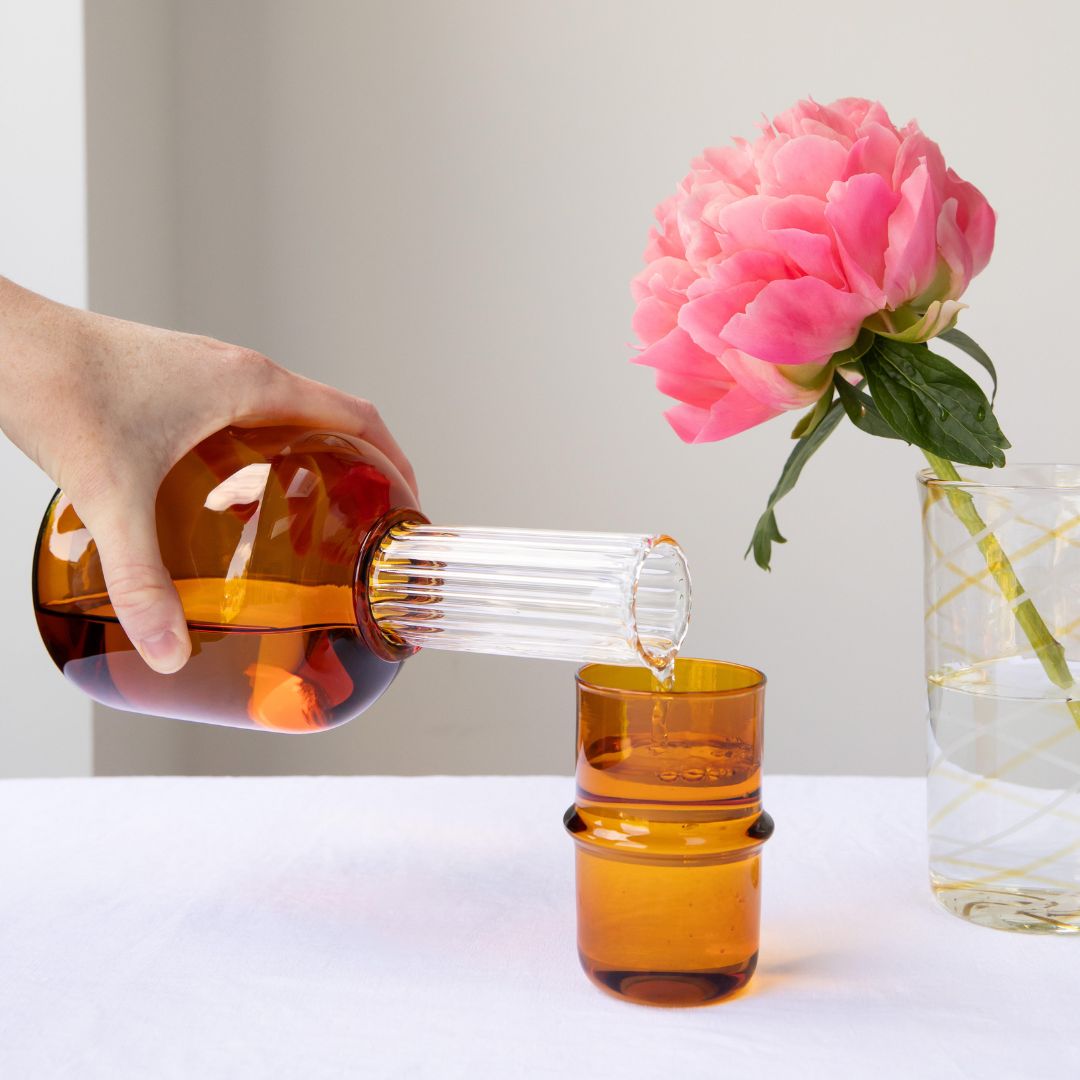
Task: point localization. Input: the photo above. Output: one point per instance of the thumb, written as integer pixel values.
(140, 589)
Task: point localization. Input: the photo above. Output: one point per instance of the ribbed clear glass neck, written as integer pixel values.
(611, 597)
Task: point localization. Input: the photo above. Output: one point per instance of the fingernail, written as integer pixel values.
(163, 652)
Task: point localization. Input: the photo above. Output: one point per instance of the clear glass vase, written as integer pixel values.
(1002, 591)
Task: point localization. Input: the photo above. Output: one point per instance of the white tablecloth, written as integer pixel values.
(386, 927)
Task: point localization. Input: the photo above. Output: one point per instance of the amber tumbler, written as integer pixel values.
(668, 829)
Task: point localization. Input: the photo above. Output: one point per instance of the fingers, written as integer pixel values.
(333, 408)
(283, 396)
(142, 593)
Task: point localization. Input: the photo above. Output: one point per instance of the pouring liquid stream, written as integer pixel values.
(663, 588)
(663, 682)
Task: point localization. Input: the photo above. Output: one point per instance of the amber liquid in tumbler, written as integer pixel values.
(669, 827)
(261, 531)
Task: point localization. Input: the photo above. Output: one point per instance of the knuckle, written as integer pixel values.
(137, 592)
(208, 344)
(248, 360)
(366, 411)
(253, 380)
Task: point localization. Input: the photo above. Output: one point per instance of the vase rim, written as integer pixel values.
(1021, 476)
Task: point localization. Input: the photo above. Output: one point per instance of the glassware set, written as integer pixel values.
(308, 575)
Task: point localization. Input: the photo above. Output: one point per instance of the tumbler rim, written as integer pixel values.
(754, 685)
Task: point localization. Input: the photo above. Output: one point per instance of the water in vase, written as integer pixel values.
(1004, 797)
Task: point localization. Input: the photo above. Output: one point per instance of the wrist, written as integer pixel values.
(40, 340)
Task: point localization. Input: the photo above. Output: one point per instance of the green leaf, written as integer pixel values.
(975, 351)
(767, 532)
(861, 410)
(927, 400)
(809, 421)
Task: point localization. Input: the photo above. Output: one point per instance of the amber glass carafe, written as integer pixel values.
(307, 574)
(668, 828)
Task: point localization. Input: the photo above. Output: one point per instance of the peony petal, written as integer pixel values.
(767, 382)
(875, 152)
(700, 393)
(975, 218)
(862, 112)
(853, 110)
(807, 166)
(811, 253)
(705, 317)
(795, 212)
(749, 265)
(980, 236)
(732, 164)
(666, 239)
(687, 421)
(731, 414)
(668, 272)
(653, 319)
(858, 211)
(799, 231)
(940, 315)
(789, 122)
(730, 286)
(741, 225)
(697, 222)
(954, 250)
(684, 371)
(660, 290)
(809, 116)
(911, 258)
(800, 321)
(915, 150)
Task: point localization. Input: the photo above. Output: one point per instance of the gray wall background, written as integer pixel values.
(45, 724)
(439, 206)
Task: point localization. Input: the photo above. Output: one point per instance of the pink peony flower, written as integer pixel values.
(771, 257)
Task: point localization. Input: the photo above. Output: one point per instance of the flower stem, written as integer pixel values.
(1047, 648)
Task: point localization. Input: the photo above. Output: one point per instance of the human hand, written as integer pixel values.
(106, 407)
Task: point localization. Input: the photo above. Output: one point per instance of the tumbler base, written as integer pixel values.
(671, 989)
